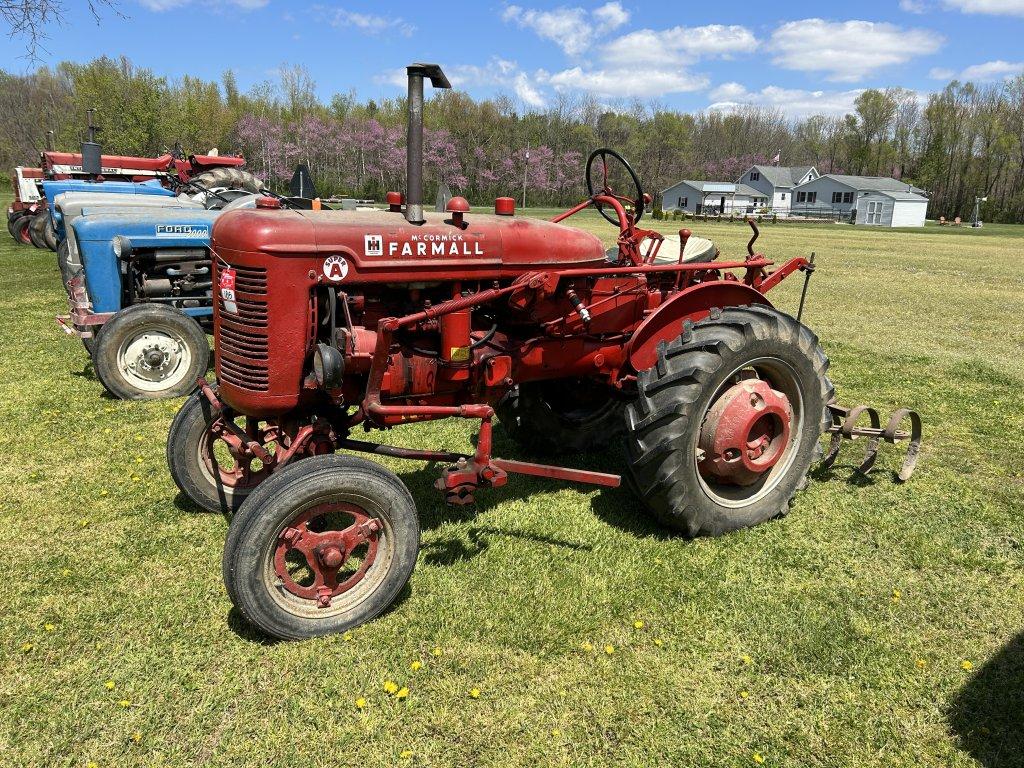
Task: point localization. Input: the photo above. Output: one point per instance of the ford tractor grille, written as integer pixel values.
(242, 349)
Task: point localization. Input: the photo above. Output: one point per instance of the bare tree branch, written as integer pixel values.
(31, 20)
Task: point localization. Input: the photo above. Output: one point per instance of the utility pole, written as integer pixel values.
(526, 168)
(975, 221)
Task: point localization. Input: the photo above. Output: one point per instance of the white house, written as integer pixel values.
(839, 194)
(776, 182)
(891, 209)
(713, 197)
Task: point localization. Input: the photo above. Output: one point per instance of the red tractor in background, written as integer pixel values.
(328, 322)
(28, 220)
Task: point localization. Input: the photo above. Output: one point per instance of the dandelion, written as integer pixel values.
(125, 703)
(638, 624)
(436, 652)
(474, 693)
(402, 693)
(360, 703)
(556, 732)
(65, 571)
(609, 649)
(135, 478)
(26, 647)
(658, 641)
(921, 663)
(657, 561)
(746, 659)
(588, 647)
(966, 665)
(92, 764)
(136, 737)
(415, 666)
(109, 685)
(390, 686)
(84, 522)
(896, 595)
(744, 695)
(405, 754)
(757, 758)
(49, 627)
(104, 492)
(347, 636)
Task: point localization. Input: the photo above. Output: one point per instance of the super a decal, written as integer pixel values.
(198, 231)
(335, 268)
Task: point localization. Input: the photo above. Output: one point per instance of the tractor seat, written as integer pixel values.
(698, 249)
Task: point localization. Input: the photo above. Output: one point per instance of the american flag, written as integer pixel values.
(777, 158)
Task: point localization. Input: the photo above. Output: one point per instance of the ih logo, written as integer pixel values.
(373, 245)
(335, 268)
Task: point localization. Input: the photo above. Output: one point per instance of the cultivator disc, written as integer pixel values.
(845, 426)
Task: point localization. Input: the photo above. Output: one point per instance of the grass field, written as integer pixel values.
(877, 624)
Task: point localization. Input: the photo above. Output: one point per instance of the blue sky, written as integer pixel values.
(802, 57)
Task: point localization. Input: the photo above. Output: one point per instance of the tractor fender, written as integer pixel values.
(693, 303)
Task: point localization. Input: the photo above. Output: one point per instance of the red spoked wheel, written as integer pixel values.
(320, 547)
(326, 551)
(216, 460)
(603, 178)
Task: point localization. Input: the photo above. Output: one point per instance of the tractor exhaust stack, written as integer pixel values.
(414, 137)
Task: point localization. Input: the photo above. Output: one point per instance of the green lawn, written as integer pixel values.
(878, 624)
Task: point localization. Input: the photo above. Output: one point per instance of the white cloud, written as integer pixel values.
(941, 73)
(527, 92)
(914, 6)
(848, 51)
(990, 7)
(618, 83)
(993, 70)
(612, 15)
(368, 23)
(792, 102)
(497, 71)
(572, 29)
(678, 45)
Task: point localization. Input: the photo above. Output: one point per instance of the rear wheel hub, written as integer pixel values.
(745, 433)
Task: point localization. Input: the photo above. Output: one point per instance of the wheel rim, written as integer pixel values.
(223, 467)
(328, 557)
(750, 433)
(155, 359)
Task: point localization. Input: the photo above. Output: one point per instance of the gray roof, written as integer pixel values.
(873, 183)
(903, 195)
(741, 189)
(783, 175)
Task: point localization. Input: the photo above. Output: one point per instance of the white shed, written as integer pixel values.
(712, 197)
(891, 209)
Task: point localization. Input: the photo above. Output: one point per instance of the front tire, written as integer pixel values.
(729, 380)
(150, 351)
(37, 229)
(50, 235)
(23, 230)
(321, 547)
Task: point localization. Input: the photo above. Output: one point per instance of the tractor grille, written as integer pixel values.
(242, 344)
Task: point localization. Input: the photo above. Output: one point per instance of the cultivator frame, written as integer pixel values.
(845, 426)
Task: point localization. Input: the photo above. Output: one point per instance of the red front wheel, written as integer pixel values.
(322, 546)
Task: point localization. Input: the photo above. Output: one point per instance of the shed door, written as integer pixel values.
(874, 212)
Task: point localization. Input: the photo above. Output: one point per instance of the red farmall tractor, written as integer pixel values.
(330, 321)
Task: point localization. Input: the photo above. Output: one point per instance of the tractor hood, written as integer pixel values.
(382, 246)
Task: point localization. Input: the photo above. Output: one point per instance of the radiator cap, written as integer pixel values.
(265, 201)
(505, 206)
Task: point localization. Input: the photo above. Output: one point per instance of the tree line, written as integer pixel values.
(962, 142)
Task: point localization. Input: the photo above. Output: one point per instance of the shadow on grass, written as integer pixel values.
(987, 714)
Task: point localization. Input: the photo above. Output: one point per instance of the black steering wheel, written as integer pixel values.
(604, 180)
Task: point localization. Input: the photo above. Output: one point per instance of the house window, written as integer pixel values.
(801, 197)
(754, 175)
(837, 197)
(783, 196)
(812, 197)
(847, 197)
(682, 202)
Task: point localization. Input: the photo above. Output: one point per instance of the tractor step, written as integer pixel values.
(845, 427)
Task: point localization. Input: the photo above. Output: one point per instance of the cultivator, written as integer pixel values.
(846, 426)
